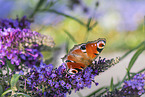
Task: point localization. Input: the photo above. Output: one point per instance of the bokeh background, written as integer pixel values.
(121, 22)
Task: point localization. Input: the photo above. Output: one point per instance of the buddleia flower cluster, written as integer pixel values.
(134, 87)
(15, 23)
(21, 45)
(45, 80)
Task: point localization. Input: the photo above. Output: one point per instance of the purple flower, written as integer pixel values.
(14, 59)
(53, 75)
(135, 85)
(131, 88)
(68, 86)
(58, 82)
(22, 56)
(62, 83)
(10, 23)
(21, 72)
(49, 81)
(2, 62)
(9, 55)
(78, 78)
(29, 81)
(41, 76)
(56, 85)
(49, 68)
(80, 84)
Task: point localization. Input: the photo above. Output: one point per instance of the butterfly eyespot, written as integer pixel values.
(101, 44)
(73, 71)
(83, 47)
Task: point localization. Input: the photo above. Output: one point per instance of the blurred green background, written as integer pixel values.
(121, 22)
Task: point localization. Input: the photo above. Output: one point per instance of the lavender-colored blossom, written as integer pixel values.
(78, 78)
(49, 68)
(15, 23)
(29, 81)
(58, 81)
(49, 81)
(41, 76)
(131, 88)
(21, 46)
(53, 75)
(56, 85)
(21, 72)
(134, 86)
(80, 84)
(62, 83)
(68, 86)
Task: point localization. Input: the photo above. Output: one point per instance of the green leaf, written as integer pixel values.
(11, 66)
(134, 58)
(97, 91)
(22, 94)
(88, 24)
(43, 89)
(7, 91)
(128, 73)
(1, 89)
(1, 72)
(39, 4)
(14, 80)
(70, 36)
(111, 85)
(132, 50)
(63, 14)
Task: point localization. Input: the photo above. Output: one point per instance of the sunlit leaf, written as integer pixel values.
(7, 91)
(14, 80)
(22, 94)
(134, 58)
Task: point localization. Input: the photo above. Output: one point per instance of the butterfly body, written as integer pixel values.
(82, 55)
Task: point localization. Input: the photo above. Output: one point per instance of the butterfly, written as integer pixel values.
(82, 55)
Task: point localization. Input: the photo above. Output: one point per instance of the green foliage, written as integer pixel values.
(14, 81)
(11, 66)
(111, 85)
(135, 56)
(13, 89)
(22, 94)
(1, 89)
(7, 91)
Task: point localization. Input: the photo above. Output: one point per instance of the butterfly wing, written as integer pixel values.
(93, 49)
(80, 56)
